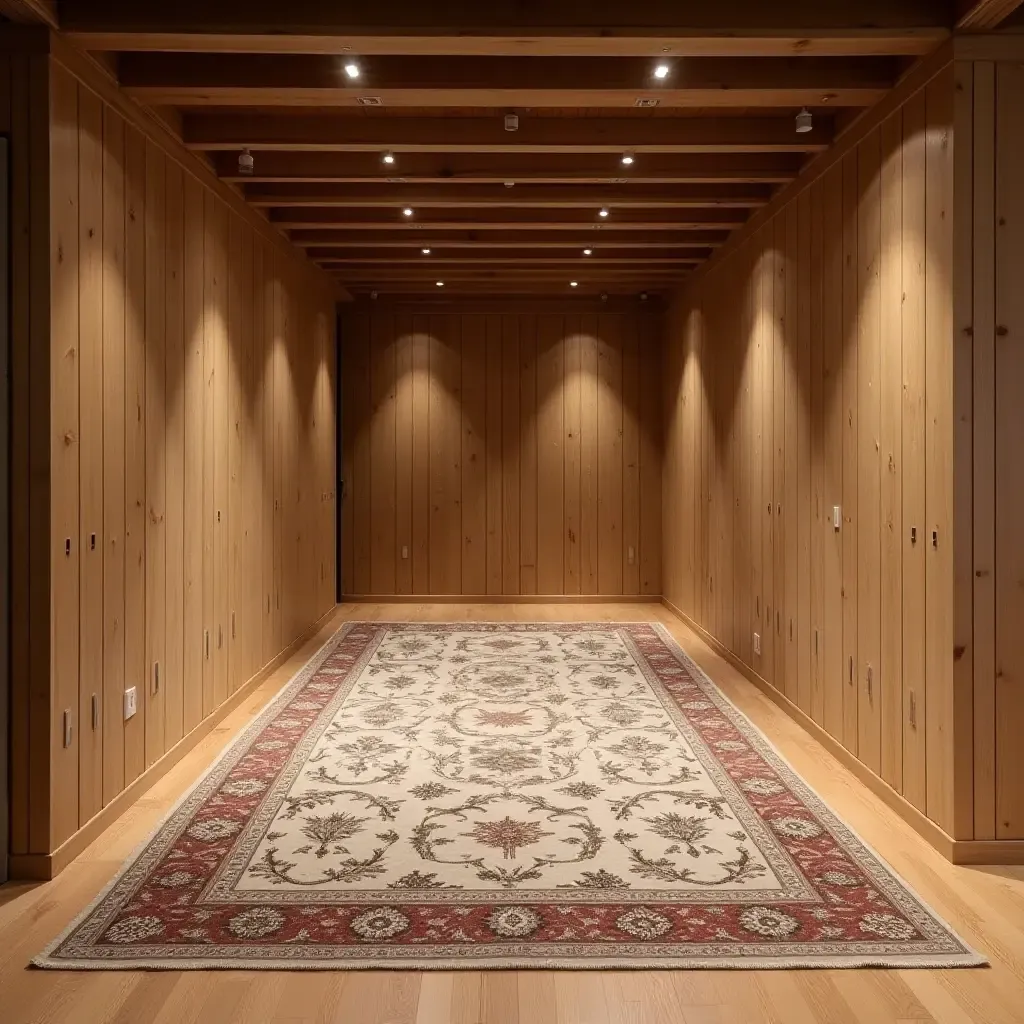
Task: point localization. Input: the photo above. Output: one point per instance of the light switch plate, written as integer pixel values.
(757, 643)
(837, 517)
(131, 702)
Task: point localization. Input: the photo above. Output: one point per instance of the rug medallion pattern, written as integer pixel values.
(504, 795)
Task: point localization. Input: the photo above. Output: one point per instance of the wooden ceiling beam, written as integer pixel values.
(625, 197)
(523, 168)
(530, 253)
(30, 12)
(527, 260)
(984, 15)
(509, 220)
(542, 239)
(330, 133)
(599, 28)
(190, 80)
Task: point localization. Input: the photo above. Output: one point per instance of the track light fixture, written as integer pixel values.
(588, 252)
(245, 162)
(661, 71)
(426, 252)
(388, 157)
(511, 122)
(603, 212)
(440, 284)
(352, 69)
(804, 121)
(627, 159)
(407, 212)
(574, 284)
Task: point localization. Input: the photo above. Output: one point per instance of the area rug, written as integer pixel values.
(493, 795)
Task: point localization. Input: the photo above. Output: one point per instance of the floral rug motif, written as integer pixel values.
(478, 795)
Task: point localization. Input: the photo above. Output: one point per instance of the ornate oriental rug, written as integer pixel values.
(476, 795)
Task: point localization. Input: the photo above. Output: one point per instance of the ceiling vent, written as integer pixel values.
(645, 101)
(371, 101)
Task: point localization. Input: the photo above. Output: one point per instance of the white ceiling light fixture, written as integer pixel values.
(574, 284)
(661, 72)
(804, 122)
(407, 212)
(246, 163)
(440, 284)
(388, 157)
(627, 159)
(352, 69)
(588, 252)
(426, 252)
(511, 122)
(603, 212)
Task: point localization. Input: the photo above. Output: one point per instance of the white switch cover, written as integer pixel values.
(757, 643)
(131, 702)
(405, 550)
(837, 517)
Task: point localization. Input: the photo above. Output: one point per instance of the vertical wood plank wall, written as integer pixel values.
(989, 317)
(508, 452)
(191, 460)
(813, 368)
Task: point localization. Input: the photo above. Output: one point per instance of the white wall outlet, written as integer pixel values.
(131, 702)
(757, 643)
(631, 554)
(837, 517)
(405, 550)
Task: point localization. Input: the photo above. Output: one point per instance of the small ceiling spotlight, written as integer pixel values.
(661, 71)
(352, 69)
(511, 122)
(510, 184)
(603, 212)
(604, 296)
(804, 121)
(627, 159)
(440, 284)
(588, 252)
(426, 252)
(407, 212)
(245, 162)
(574, 284)
(388, 157)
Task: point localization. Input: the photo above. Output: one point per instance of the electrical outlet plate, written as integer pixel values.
(131, 702)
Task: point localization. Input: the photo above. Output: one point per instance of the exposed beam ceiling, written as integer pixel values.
(30, 12)
(600, 28)
(985, 15)
(258, 80)
(319, 93)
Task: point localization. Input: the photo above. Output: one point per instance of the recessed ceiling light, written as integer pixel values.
(627, 158)
(352, 69)
(426, 252)
(388, 157)
(407, 212)
(603, 212)
(440, 284)
(574, 284)
(804, 122)
(661, 71)
(588, 252)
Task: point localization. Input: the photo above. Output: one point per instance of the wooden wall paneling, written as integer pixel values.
(219, 227)
(766, 509)
(869, 471)
(258, 554)
(421, 456)
(890, 676)
(284, 541)
(357, 377)
(210, 314)
(791, 456)
(983, 225)
(232, 512)
(1009, 428)
(510, 453)
(113, 533)
(609, 459)
(382, 429)
(572, 413)
(816, 427)
(445, 454)
(649, 531)
(738, 610)
(89, 539)
(269, 427)
(64, 455)
(630, 401)
(248, 609)
(589, 447)
(851, 451)
(550, 453)
(832, 454)
(404, 431)
(941, 752)
(801, 517)
(780, 359)
(136, 517)
(528, 454)
(755, 517)
(914, 539)
(474, 454)
(492, 329)
(172, 681)
(156, 455)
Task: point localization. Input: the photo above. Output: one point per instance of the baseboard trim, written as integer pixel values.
(988, 851)
(924, 826)
(501, 599)
(41, 867)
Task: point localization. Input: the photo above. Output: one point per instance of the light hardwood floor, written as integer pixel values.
(986, 905)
